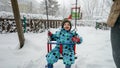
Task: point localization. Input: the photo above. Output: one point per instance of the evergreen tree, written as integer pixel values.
(53, 7)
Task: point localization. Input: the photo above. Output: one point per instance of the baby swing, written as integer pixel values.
(50, 42)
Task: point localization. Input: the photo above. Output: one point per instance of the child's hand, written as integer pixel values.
(75, 39)
(49, 33)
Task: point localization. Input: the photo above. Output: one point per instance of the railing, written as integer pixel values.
(32, 25)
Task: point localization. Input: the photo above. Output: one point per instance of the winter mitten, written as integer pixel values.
(75, 39)
(49, 33)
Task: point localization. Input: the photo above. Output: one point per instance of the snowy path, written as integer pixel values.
(94, 52)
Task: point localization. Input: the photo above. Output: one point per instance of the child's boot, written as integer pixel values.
(68, 66)
(50, 65)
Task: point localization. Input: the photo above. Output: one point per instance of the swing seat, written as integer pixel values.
(49, 47)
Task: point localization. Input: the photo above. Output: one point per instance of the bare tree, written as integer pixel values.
(96, 8)
(89, 8)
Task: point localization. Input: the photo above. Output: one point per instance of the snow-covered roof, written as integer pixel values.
(4, 14)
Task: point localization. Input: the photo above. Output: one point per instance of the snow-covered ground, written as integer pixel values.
(94, 52)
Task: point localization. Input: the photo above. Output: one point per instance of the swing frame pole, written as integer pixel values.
(49, 46)
(46, 4)
(75, 15)
(16, 13)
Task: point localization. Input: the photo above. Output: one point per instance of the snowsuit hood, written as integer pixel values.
(65, 21)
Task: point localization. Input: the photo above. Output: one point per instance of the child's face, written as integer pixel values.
(67, 26)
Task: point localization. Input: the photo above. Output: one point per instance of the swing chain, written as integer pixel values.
(75, 29)
(46, 4)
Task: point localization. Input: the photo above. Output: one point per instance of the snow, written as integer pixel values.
(94, 52)
(4, 14)
(1, 3)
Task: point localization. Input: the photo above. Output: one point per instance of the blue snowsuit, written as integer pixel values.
(63, 36)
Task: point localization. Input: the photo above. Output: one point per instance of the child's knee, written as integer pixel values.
(52, 58)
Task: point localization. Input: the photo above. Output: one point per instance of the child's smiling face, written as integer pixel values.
(67, 26)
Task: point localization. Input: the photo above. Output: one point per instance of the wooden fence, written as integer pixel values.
(32, 25)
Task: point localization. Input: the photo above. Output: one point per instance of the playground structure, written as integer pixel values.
(76, 13)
